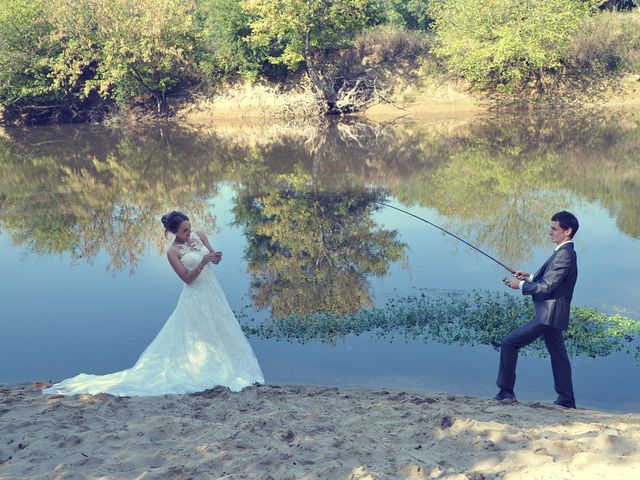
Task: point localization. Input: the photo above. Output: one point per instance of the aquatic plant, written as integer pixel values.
(456, 318)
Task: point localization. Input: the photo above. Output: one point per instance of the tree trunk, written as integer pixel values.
(329, 95)
(159, 97)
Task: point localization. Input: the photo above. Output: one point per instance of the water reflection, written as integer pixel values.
(495, 181)
(505, 177)
(83, 191)
(310, 251)
(318, 255)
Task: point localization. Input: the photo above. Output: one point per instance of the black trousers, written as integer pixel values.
(522, 337)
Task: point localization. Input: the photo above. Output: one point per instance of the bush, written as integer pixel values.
(135, 49)
(504, 43)
(607, 43)
(61, 57)
(24, 52)
(411, 14)
(387, 43)
(224, 53)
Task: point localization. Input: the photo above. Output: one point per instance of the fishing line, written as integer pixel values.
(510, 270)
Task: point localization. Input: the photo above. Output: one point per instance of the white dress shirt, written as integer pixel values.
(555, 250)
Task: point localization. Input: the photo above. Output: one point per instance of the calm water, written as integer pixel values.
(86, 285)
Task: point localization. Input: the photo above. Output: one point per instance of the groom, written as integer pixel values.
(551, 288)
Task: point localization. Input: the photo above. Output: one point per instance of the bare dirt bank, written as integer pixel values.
(432, 99)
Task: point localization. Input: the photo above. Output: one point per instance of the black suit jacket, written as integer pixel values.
(552, 287)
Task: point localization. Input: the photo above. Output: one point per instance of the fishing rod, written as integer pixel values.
(510, 270)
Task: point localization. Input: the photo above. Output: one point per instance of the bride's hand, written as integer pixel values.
(209, 257)
(217, 256)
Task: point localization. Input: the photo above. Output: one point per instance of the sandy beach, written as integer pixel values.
(303, 432)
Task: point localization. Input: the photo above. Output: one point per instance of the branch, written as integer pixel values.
(141, 81)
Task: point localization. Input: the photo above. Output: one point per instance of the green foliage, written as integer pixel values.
(24, 52)
(298, 28)
(412, 14)
(503, 44)
(599, 333)
(70, 50)
(456, 318)
(136, 48)
(310, 33)
(68, 59)
(223, 51)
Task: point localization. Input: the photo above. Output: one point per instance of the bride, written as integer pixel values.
(200, 346)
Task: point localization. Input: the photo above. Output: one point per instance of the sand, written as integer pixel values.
(304, 432)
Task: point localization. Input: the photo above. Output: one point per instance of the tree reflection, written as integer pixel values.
(497, 200)
(311, 251)
(89, 193)
(495, 181)
(500, 185)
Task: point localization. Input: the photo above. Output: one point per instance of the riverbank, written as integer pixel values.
(429, 100)
(414, 98)
(264, 103)
(295, 432)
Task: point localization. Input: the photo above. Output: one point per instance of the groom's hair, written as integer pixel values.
(566, 220)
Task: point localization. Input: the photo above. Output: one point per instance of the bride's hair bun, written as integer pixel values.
(172, 220)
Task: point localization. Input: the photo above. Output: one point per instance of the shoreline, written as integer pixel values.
(295, 431)
(433, 101)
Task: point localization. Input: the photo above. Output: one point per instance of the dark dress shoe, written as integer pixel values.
(565, 403)
(505, 395)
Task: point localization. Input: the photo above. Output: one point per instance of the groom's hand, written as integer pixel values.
(520, 275)
(512, 283)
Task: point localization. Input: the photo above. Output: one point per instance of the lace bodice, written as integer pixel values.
(191, 251)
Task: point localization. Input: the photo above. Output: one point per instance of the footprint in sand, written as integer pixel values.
(615, 445)
(70, 442)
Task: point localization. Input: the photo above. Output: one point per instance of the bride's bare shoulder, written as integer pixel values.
(173, 252)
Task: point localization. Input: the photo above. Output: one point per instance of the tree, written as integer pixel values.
(504, 43)
(142, 48)
(223, 51)
(25, 49)
(412, 14)
(65, 57)
(307, 32)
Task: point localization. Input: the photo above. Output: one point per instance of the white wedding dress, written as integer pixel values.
(200, 346)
